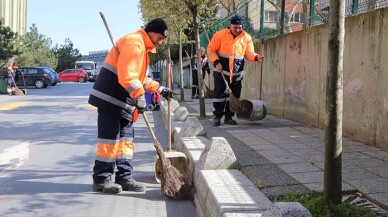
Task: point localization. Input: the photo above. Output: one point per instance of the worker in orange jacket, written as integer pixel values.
(118, 94)
(227, 50)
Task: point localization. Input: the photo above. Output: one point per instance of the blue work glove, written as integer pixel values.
(140, 104)
(165, 92)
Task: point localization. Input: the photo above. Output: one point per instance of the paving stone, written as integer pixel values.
(306, 178)
(274, 153)
(284, 159)
(357, 173)
(304, 151)
(318, 186)
(253, 161)
(381, 171)
(366, 162)
(265, 147)
(288, 146)
(379, 154)
(354, 156)
(268, 175)
(368, 186)
(299, 167)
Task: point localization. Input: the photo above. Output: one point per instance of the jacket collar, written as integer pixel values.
(147, 41)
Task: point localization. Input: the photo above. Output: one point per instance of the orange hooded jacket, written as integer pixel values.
(230, 51)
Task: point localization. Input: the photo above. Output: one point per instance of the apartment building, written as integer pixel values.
(14, 14)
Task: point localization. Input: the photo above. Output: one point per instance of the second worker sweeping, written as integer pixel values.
(227, 51)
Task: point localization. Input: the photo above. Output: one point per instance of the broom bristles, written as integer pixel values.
(235, 104)
(174, 184)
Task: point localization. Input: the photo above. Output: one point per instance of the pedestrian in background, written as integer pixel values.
(227, 50)
(194, 73)
(118, 94)
(11, 78)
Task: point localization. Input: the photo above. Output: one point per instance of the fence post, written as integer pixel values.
(282, 16)
(312, 12)
(262, 19)
(355, 7)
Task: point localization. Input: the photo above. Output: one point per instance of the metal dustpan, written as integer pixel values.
(177, 159)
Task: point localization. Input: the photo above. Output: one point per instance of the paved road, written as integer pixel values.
(47, 147)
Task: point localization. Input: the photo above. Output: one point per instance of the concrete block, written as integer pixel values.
(229, 193)
(180, 114)
(287, 209)
(217, 155)
(191, 127)
(174, 105)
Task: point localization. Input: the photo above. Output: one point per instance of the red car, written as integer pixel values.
(79, 75)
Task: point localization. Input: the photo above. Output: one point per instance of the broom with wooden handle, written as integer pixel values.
(173, 182)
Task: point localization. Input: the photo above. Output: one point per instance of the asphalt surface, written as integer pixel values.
(47, 151)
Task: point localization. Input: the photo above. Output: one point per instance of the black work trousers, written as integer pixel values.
(114, 147)
(220, 98)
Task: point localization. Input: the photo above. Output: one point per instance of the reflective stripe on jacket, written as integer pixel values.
(122, 78)
(231, 51)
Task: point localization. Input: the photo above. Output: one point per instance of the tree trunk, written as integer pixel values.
(202, 111)
(334, 105)
(181, 66)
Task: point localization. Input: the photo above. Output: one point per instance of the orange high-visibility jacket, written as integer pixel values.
(123, 78)
(230, 51)
(132, 63)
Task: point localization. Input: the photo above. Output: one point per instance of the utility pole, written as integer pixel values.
(334, 104)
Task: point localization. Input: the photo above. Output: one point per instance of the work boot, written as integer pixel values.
(107, 187)
(216, 121)
(131, 185)
(230, 121)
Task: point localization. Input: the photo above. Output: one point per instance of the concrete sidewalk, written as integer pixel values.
(282, 156)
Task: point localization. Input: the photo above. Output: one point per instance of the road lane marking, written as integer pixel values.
(14, 156)
(13, 105)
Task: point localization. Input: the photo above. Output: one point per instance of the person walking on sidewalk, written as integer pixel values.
(118, 94)
(227, 50)
(194, 72)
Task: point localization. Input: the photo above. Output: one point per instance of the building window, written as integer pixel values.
(271, 16)
(298, 18)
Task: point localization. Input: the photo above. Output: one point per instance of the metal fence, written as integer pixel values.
(269, 18)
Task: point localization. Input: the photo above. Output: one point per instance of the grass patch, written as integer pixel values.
(315, 203)
(202, 118)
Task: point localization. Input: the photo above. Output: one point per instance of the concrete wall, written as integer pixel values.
(294, 77)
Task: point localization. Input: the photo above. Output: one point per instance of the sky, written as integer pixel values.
(80, 21)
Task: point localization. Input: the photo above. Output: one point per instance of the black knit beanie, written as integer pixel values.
(157, 25)
(237, 20)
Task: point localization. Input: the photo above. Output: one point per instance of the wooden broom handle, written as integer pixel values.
(168, 98)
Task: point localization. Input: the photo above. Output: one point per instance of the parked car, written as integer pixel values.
(34, 76)
(54, 75)
(79, 75)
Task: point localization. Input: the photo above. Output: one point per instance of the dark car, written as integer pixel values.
(39, 77)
